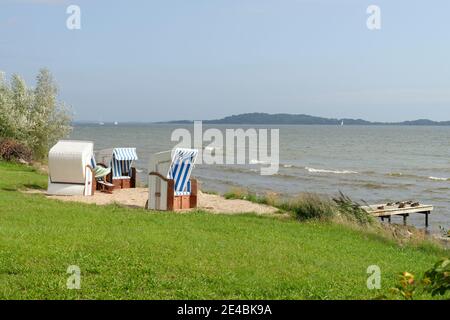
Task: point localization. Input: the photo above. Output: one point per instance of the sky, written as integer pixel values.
(146, 60)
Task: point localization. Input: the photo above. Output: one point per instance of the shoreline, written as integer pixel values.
(217, 203)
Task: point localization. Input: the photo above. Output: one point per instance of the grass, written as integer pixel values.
(136, 254)
(308, 206)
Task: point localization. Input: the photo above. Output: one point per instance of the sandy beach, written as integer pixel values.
(136, 198)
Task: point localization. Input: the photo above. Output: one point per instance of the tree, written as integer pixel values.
(50, 119)
(6, 106)
(22, 101)
(34, 118)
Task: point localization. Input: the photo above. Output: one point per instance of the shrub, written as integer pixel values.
(309, 206)
(435, 281)
(13, 150)
(352, 210)
(33, 117)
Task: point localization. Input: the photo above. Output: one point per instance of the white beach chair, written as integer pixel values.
(169, 183)
(70, 171)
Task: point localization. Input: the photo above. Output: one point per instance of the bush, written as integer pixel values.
(33, 117)
(352, 210)
(13, 150)
(435, 281)
(309, 206)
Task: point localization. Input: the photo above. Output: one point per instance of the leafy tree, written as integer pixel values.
(6, 105)
(20, 113)
(33, 117)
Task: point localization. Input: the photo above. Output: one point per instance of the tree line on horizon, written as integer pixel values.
(259, 118)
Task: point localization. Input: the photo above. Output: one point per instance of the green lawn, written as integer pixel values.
(135, 254)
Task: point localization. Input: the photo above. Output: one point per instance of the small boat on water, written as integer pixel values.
(342, 123)
(116, 123)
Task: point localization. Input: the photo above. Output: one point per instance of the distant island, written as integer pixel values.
(257, 118)
(303, 119)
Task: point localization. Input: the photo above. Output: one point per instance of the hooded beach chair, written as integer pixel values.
(121, 163)
(170, 184)
(69, 165)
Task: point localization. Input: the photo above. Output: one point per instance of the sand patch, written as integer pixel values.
(137, 198)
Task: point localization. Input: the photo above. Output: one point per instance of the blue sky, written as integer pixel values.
(204, 59)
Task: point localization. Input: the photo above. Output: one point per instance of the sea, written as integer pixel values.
(370, 164)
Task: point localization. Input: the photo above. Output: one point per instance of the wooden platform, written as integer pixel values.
(388, 211)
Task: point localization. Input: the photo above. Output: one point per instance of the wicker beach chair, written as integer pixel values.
(170, 184)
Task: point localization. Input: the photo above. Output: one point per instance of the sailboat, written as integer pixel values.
(342, 123)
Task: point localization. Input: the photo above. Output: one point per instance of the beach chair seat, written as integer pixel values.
(101, 172)
(170, 184)
(105, 186)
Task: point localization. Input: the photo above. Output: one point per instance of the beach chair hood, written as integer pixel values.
(119, 159)
(170, 183)
(67, 161)
(69, 165)
(183, 161)
(122, 159)
(125, 154)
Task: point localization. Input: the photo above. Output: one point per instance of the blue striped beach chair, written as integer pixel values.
(123, 172)
(170, 184)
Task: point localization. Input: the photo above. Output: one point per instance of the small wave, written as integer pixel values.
(213, 151)
(439, 179)
(404, 175)
(313, 170)
(375, 186)
(413, 176)
(254, 161)
(395, 174)
(291, 166)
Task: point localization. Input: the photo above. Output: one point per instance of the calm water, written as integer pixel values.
(371, 163)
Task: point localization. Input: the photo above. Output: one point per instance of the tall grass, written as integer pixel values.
(308, 206)
(352, 210)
